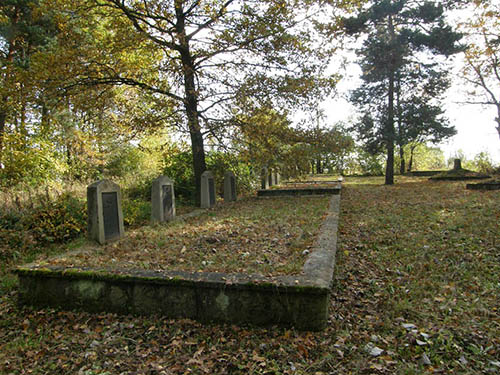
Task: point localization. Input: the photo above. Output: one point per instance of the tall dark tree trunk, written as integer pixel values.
(410, 163)
(389, 168)
(318, 166)
(191, 101)
(412, 158)
(402, 159)
(400, 135)
(3, 118)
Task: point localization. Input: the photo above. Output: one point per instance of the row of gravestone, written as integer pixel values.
(105, 216)
(269, 177)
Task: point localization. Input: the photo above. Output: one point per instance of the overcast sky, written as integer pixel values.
(474, 123)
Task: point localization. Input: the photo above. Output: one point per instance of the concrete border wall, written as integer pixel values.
(297, 300)
(299, 191)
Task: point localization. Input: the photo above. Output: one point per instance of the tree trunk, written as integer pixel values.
(402, 158)
(191, 102)
(3, 118)
(400, 128)
(318, 166)
(389, 169)
(410, 163)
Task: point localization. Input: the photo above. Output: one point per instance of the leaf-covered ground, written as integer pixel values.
(417, 291)
(265, 236)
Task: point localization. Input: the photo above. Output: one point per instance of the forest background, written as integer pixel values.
(95, 89)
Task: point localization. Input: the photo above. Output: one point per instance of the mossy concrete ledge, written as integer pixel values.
(294, 300)
(299, 191)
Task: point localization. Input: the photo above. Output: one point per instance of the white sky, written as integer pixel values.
(474, 123)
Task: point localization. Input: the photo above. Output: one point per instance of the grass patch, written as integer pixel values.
(249, 236)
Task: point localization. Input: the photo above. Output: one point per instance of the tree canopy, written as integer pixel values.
(212, 54)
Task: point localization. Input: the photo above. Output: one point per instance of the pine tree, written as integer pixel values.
(400, 34)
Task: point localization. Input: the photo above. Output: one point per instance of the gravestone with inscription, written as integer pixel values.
(229, 186)
(264, 183)
(104, 206)
(207, 190)
(276, 177)
(162, 200)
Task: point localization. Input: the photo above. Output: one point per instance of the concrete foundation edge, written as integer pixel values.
(300, 301)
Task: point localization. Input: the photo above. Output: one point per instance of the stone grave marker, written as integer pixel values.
(264, 183)
(229, 186)
(457, 164)
(207, 190)
(162, 200)
(104, 206)
(276, 177)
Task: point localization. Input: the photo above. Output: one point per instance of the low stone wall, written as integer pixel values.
(423, 173)
(300, 301)
(495, 185)
(299, 191)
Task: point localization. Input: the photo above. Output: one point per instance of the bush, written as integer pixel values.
(140, 189)
(13, 238)
(179, 168)
(483, 163)
(136, 212)
(58, 221)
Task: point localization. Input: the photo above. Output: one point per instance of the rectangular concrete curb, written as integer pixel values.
(295, 300)
(299, 191)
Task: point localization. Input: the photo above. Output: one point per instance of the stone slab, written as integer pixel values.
(207, 189)
(484, 186)
(229, 187)
(301, 191)
(105, 216)
(162, 200)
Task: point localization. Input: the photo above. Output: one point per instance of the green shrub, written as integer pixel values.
(136, 212)
(179, 167)
(140, 189)
(58, 221)
(14, 239)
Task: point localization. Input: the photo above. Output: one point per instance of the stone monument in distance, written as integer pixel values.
(207, 190)
(229, 186)
(104, 207)
(264, 183)
(162, 200)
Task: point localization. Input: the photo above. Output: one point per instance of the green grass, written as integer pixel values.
(419, 252)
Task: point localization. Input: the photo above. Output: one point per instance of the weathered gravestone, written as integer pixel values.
(104, 206)
(229, 186)
(276, 177)
(457, 164)
(207, 190)
(162, 200)
(264, 183)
